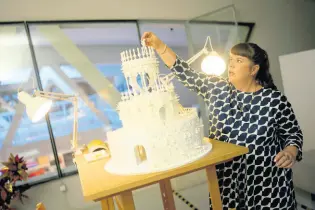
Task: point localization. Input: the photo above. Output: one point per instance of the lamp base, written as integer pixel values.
(90, 157)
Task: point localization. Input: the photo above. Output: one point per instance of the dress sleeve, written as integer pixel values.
(289, 131)
(198, 82)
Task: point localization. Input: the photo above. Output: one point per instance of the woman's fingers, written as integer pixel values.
(285, 164)
(279, 156)
(148, 39)
(151, 40)
(290, 165)
(284, 160)
(280, 160)
(146, 35)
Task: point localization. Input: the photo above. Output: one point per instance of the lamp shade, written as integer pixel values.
(36, 107)
(213, 64)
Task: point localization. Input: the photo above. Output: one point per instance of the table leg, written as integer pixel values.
(125, 201)
(167, 194)
(214, 189)
(107, 204)
(118, 203)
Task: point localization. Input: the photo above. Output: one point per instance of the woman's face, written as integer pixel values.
(240, 69)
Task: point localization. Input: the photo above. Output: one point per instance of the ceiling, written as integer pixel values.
(18, 10)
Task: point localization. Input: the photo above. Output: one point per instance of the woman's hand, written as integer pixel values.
(167, 54)
(286, 158)
(153, 41)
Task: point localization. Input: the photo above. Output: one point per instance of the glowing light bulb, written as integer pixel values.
(36, 107)
(213, 64)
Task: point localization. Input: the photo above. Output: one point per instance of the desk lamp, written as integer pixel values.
(212, 63)
(38, 105)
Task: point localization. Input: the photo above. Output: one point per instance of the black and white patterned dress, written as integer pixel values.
(264, 122)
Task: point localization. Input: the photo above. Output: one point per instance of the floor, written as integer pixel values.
(196, 198)
(191, 193)
(304, 200)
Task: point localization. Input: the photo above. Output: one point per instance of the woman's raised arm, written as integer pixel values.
(198, 82)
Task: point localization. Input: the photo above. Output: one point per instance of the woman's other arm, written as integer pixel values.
(289, 132)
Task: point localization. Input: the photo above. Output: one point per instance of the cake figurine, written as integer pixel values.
(158, 133)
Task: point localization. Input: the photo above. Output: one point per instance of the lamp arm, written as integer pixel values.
(55, 96)
(65, 97)
(75, 124)
(201, 52)
(196, 56)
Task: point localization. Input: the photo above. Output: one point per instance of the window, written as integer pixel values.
(18, 135)
(174, 35)
(83, 59)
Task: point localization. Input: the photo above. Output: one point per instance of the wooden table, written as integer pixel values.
(99, 185)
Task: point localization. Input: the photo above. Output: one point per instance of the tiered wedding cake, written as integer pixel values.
(158, 133)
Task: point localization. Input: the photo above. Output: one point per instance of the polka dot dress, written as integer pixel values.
(262, 121)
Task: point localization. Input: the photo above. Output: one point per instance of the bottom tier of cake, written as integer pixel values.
(123, 168)
(156, 147)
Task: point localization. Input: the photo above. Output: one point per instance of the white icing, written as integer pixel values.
(153, 118)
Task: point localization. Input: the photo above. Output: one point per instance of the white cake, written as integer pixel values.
(158, 133)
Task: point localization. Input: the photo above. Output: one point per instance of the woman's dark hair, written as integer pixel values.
(259, 57)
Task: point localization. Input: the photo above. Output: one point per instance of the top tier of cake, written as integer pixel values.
(140, 67)
(139, 61)
(150, 97)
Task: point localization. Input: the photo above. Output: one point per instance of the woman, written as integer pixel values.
(246, 109)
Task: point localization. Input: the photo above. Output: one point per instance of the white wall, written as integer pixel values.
(282, 26)
(298, 76)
